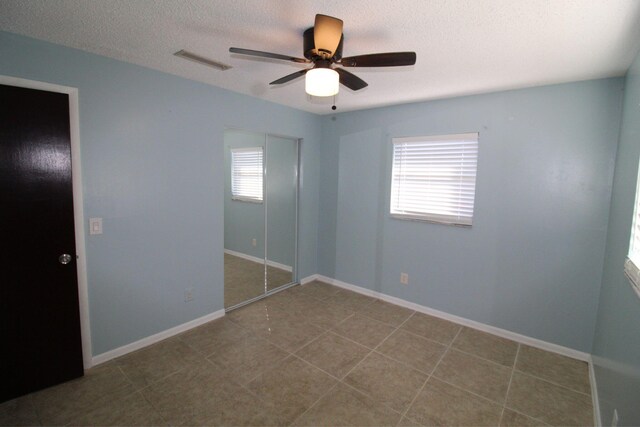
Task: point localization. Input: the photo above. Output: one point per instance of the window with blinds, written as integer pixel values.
(434, 178)
(246, 174)
(632, 264)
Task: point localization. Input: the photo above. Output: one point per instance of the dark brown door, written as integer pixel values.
(39, 313)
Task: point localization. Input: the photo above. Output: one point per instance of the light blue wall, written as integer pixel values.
(532, 261)
(616, 348)
(282, 157)
(153, 165)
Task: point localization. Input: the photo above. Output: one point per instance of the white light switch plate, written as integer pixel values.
(95, 225)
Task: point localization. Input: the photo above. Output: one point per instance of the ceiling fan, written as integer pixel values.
(322, 45)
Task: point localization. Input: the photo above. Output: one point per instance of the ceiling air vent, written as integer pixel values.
(201, 60)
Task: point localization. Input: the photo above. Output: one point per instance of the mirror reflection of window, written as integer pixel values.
(246, 174)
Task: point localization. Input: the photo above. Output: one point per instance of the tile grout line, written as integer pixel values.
(356, 342)
(479, 396)
(493, 362)
(542, 423)
(376, 347)
(158, 413)
(376, 350)
(314, 404)
(451, 346)
(273, 365)
(240, 384)
(552, 383)
(382, 321)
(369, 354)
(376, 401)
(406, 411)
(300, 347)
(354, 312)
(422, 336)
(340, 381)
(432, 375)
(402, 363)
(323, 334)
(448, 349)
(316, 367)
(124, 374)
(325, 331)
(506, 396)
(257, 336)
(350, 370)
(289, 353)
(252, 334)
(149, 384)
(251, 392)
(332, 332)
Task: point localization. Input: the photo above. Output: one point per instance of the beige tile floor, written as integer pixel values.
(244, 279)
(319, 355)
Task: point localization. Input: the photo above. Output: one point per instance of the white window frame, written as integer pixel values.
(449, 159)
(247, 185)
(632, 263)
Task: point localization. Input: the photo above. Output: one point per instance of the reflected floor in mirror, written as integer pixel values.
(319, 355)
(244, 279)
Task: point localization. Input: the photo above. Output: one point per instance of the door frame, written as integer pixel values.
(78, 206)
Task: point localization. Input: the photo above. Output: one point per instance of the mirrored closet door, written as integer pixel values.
(260, 215)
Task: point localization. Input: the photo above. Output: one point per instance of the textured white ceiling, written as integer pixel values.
(463, 46)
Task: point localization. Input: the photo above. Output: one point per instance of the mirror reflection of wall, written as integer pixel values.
(282, 161)
(260, 206)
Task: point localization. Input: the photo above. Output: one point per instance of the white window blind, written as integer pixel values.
(246, 174)
(434, 178)
(632, 264)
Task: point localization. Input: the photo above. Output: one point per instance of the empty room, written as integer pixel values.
(339, 213)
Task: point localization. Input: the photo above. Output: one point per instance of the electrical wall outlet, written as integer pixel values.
(404, 278)
(95, 225)
(188, 294)
(254, 242)
(614, 420)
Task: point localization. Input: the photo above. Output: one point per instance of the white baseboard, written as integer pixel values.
(144, 342)
(514, 336)
(259, 260)
(311, 278)
(597, 421)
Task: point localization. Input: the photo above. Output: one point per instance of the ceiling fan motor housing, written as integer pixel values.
(309, 46)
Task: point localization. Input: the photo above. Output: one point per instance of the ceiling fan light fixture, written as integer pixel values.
(322, 46)
(322, 82)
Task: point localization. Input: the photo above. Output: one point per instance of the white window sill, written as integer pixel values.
(430, 219)
(633, 274)
(244, 199)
